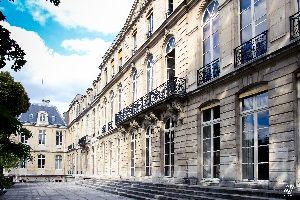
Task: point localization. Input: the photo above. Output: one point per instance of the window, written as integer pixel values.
(105, 76)
(24, 138)
(118, 154)
(150, 74)
(120, 97)
(134, 41)
(169, 148)
(148, 150)
(150, 24)
(211, 141)
(53, 118)
(120, 59)
(112, 68)
(42, 117)
(169, 8)
(59, 138)
(110, 158)
(211, 45)
(112, 106)
(132, 155)
(255, 136)
(253, 18)
(30, 116)
(134, 86)
(170, 58)
(103, 158)
(42, 136)
(41, 161)
(58, 162)
(23, 163)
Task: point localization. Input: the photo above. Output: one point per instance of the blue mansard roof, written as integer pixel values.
(54, 117)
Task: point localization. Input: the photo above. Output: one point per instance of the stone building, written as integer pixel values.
(48, 130)
(207, 89)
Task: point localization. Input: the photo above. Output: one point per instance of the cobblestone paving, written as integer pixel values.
(55, 191)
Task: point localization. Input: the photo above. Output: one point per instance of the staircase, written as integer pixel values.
(144, 190)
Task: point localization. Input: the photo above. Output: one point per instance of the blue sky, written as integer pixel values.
(64, 45)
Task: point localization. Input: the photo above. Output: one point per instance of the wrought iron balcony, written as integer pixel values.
(104, 129)
(251, 49)
(134, 50)
(169, 12)
(294, 26)
(82, 140)
(70, 147)
(150, 32)
(168, 89)
(208, 72)
(110, 126)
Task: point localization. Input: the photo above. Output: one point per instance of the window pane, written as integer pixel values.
(207, 145)
(167, 159)
(206, 31)
(248, 103)
(216, 111)
(263, 171)
(246, 18)
(248, 171)
(167, 171)
(206, 172)
(216, 171)
(259, 9)
(216, 143)
(248, 139)
(262, 100)
(206, 115)
(248, 155)
(246, 34)
(248, 123)
(263, 154)
(217, 130)
(206, 132)
(260, 28)
(263, 136)
(263, 119)
(217, 158)
(245, 4)
(206, 45)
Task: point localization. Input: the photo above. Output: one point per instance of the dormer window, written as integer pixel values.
(42, 117)
(30, 116)
(53, 118)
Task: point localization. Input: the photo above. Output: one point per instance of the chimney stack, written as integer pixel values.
(46, 102)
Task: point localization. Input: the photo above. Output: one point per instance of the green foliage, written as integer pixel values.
(13, 101)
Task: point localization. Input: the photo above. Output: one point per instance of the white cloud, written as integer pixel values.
(94, 15)
(63, 76)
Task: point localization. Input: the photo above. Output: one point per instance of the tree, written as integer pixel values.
(13, 101)
(9, 48)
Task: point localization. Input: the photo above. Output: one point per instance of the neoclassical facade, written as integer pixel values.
(207, 89)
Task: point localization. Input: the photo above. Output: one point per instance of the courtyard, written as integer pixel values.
(55, 190)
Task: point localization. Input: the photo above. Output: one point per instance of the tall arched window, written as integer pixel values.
(169, 148)
(134, 86)
(170, 58)
(150, 74)
(112, 106)
(120, 97)
(132, 155)
(149, 151)
(211, 46)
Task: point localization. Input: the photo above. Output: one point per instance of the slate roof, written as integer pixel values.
(35, 108)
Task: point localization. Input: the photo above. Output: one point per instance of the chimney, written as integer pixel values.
(46, 102)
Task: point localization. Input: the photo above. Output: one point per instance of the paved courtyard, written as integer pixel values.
(55, 191)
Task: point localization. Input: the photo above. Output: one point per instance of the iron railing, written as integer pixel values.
(294, 26)
(104, 129)
(251, 49)
(169, 12)
(82, 140)
(110, 126)
(69, 147)
(134, 50)
(175, 86)
(208, 72)
(149, 34)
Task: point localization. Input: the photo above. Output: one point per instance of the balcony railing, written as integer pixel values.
(104, 129)
(149, 34)
(169, 12)
(82, 140)
(251, 49)
(175, 86)
(134, 50)
(294, 26)
(110, 126)
(208, 72)
(69, 147)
